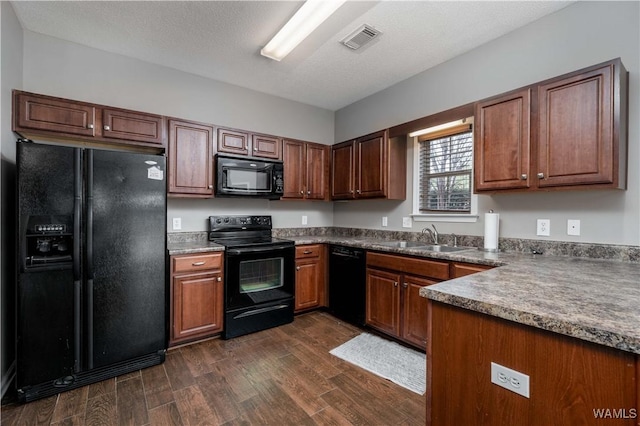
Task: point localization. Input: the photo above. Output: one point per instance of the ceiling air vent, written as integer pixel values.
(360, 37)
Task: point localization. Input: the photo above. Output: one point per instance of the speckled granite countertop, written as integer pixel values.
(590, 299)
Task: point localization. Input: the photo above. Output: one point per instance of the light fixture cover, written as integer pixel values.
(310, 15)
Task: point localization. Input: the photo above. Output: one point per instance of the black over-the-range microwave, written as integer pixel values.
(249, 177)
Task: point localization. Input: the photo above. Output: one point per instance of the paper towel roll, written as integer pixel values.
(491, 229)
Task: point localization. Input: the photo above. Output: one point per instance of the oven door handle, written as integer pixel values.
(240, 251)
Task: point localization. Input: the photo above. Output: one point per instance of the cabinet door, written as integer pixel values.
(576, 130)
(317, 168)
(383, 301)
(233, 141)
(293, 155)
(130, 126)
(197, 306)
(414, 311)
(371, 162)
(342, 176)
(190, 159)
(309, 284)
(502, 142)
(55, 115)
(266, 146)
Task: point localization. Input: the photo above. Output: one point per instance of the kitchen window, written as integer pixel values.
(443, 173)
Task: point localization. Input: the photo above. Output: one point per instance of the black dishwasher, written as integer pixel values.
(347, 283)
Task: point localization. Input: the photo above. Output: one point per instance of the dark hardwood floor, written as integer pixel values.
(281, 376)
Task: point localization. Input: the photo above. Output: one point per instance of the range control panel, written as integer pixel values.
(221, 222)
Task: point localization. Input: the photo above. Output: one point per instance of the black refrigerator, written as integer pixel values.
(91, 297)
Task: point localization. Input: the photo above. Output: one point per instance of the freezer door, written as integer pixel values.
(46, 347)
(126, 243)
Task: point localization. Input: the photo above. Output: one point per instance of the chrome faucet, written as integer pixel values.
(432, 233)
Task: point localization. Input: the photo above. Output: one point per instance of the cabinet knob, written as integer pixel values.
(256, 149)
(308, 192)
(395, 283)
(219, 279)
(351, 192)
(358, 191)
(297, 268)
(523, 176)
(540, 175)
(90, 126)
(405, 285)
(302, 192)
(210, 186)
(107, 128)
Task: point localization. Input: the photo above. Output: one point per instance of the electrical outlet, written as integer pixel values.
(385, 221)
(406, 222)
(510, 379)
(573, 227)
(544, 227)
(304, 220)
(177, 223)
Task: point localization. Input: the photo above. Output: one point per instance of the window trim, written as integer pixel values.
(419, 216)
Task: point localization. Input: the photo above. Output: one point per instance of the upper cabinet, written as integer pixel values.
(306, 170)
(190, 158)
(240, 142)
(372, 166)
(564, 133)
(48, 116)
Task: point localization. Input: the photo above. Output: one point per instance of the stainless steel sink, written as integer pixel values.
(421, 245)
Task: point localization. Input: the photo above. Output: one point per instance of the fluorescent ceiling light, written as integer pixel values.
(439, 127)
(306, 19)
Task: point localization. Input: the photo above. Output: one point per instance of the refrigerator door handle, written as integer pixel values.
(89, 261)
(77, 279)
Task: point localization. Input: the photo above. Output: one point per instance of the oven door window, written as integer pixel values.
(260, 275)
(240, 179)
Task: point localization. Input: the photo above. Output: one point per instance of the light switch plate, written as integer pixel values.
(385, 221)
(406, 222)
(304, 220)
(177, 223)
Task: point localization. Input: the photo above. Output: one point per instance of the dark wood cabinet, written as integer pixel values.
(459, 269)
(569, 132)
(372, 166)
(240, 142)
(569, 378)
(58, 118)
(133, 126)
(197, 287)
(394, 305)
(310, 277)
(502, 142)
(190, 158)
(577, 136)
(306, 168)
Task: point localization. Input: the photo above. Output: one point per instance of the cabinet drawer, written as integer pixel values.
(410, 265)
(463, 269)
(303, 252)
(197, 262)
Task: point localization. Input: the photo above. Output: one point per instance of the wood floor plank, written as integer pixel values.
(193, 406)
(157, 388)
(329, 416)
(70, 404)
(165, 415)
(130, 402)
(219, 396)
(231, 370)
(101, 388)
(349, 409)
(38, 412)
(10, 413)
(287, 412)
(102, 410)
(177, 371)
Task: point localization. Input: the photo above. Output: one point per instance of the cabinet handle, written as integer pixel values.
(540, 175)
(395, 283)
(405, 285)
(90, 126)
(351, 192)
(307, 252)
(308, 192)
(256, 149)
(358, 191)
(107, 128)
(210, 186)
(302, 192)
(297, 268)
(197, 263)
(219, 279)
(523, 177)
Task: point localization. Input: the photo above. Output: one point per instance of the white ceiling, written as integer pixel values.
(222, 39)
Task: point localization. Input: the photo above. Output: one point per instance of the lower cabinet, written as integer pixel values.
(394, 305)
(459, 269)
(197, 292)
(310, 277)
